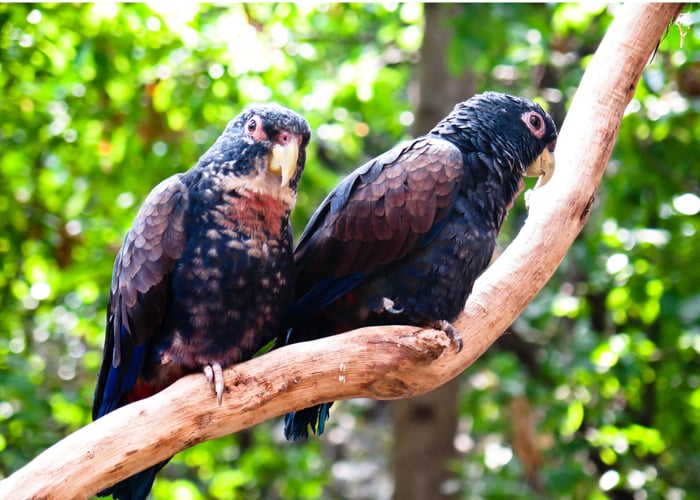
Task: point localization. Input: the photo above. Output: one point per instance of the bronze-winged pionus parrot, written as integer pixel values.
(205, 273)
(402, 239)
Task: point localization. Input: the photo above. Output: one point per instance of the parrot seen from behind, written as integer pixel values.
(205, 273)
(402, 239)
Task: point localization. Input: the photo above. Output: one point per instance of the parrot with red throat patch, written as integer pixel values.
(205, 273)
(402, 239)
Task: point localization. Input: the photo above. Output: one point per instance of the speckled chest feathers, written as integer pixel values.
(232, 276)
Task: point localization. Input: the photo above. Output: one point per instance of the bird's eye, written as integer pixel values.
(254, 129)
(251, 125)
(535, 123)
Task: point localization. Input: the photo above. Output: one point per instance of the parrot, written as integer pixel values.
(402, 239)
(205, 273)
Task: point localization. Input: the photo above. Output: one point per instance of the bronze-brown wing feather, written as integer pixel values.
(383, 211)
(148, 254)
(140, 285)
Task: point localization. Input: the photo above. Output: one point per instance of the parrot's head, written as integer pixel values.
(265, 145)
(514, 130)
(278, 137)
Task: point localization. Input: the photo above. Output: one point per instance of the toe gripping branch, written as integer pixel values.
(450, 331)
(389, 306)
(215, 376)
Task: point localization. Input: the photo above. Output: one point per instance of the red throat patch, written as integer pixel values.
(260, 210)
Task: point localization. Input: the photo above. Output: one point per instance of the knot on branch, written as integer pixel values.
(411, 363)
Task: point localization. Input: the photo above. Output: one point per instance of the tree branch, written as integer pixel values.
(382, 362)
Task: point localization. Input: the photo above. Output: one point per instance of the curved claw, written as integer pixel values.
(451, 332)
(388, 306)
(215, 376)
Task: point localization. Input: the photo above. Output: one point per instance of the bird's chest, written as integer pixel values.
(244, 215)
(229, 282)
(433, 282)
(237, 236)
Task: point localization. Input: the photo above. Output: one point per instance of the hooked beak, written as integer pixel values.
(283, 160)
(542, 167)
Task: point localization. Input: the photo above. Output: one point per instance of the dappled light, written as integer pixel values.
(594, 392)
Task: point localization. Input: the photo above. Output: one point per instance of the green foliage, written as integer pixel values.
(102, 101)
(614, 375)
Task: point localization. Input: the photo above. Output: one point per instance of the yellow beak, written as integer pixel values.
(283, 160)
(542, 167)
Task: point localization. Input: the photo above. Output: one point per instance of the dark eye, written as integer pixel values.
(534, 122)
(251, 125)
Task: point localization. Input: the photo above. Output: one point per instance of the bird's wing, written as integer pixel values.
(387, 208)
(140, 289)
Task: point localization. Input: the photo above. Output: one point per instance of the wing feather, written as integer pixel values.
(140, 288)
(387, 208)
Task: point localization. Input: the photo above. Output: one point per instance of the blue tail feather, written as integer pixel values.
(298, 423)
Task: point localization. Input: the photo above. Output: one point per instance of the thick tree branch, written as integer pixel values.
(383, 363)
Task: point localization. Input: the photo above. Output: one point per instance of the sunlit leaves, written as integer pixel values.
(101, 101)
(573, 420)
(616, 440)
(576, 17)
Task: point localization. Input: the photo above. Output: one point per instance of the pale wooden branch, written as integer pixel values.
(387, 362)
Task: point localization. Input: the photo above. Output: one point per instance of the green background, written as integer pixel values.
(98, 103)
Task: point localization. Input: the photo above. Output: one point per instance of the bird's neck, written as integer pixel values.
(252, 203)
(500, 182)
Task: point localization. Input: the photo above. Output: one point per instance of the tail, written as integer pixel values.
(297, 423)
(135, 487)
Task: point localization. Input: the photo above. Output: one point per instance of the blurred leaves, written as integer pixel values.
(102, 101)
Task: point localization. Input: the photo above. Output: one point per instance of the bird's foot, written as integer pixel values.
(451, 332)
(388, 306)
(215, 376)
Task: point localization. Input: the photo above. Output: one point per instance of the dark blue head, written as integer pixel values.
(514, 130)
(263, 140)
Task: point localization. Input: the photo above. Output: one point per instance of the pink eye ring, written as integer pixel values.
(534, 123)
